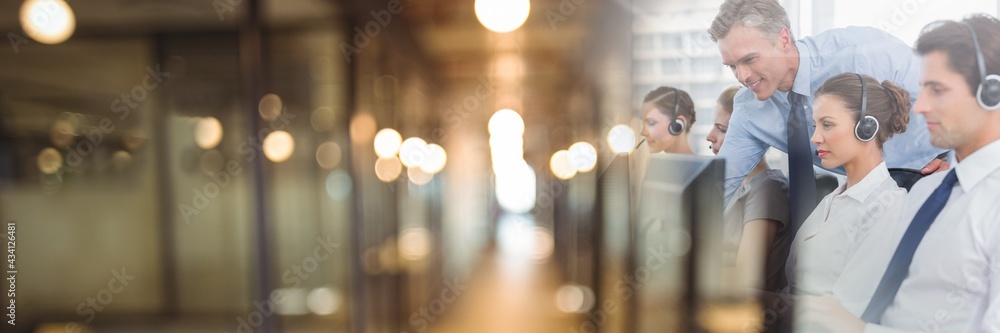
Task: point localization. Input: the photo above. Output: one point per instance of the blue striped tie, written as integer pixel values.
(899, 265)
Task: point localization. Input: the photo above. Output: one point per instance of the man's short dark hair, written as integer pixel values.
(954, 39)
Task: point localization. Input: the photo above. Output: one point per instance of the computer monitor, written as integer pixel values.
(678, 242)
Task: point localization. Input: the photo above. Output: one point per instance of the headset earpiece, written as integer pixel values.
(677, 126)
(988, 92)
(988, 95)
(867, 126)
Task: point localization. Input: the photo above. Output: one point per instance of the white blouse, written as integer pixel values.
(843, 248)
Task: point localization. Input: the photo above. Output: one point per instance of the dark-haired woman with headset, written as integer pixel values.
(668, 114)
(843, 248)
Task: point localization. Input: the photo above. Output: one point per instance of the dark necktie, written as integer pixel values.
(899, 265)
(802, 179)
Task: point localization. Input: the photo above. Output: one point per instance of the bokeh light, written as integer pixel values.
(328, 155)
(323, 301)
(582, 156)
(414, 243)
(574, 298)
(621, 139)
(49, 161)
(387, 142)
(278, 146)
(413, 152)
(63, 131)
(120, 160)
(418, 176)
(207, 132)
(132, 140)
(506, 123)
(294, 301)
(388, 169)
(436, 159)
(560, 165)
(338, 185)
(48, 21)
(269, 107)
(515, 188)
(502, 15)
(362, 127)
(323, 119)
(544, 244)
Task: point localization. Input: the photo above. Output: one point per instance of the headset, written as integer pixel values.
(677, 125)
(867, 126)
(988, 93)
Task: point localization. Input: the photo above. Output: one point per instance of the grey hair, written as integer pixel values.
(765, 15)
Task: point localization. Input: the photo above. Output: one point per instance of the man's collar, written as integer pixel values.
(803, 77)
(978, 165)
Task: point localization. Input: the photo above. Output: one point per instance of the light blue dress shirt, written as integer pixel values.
(756, 125)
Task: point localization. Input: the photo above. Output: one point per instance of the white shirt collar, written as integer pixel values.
(867, 185)
(975, 167)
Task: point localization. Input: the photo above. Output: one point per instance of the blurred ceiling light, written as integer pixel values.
(323, 301)
(560, 165)
(388, 169)
(362, 127)
(436, 159)
(506, 122)
(502, 15)
(49, 160)
(120, 160)
(621, 139)
(418, 176)
(387, 142)
(515, 188)
(338, 185)
(328, 155)
(279, 146)
(269, 107)
(582, 156)
(48, 21)
(211, 161)
(323, 119)
(413, 152)
(414, 243)
(207, 132)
